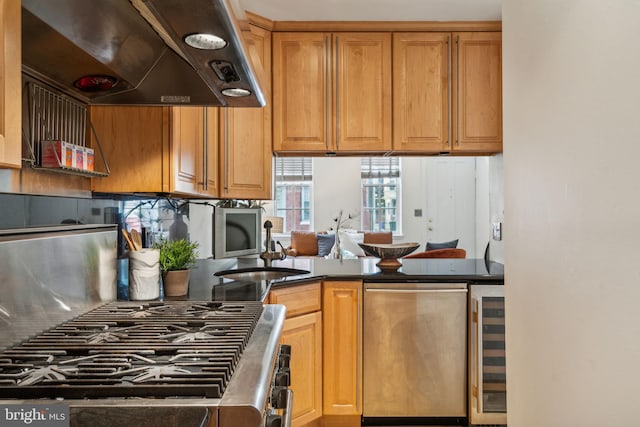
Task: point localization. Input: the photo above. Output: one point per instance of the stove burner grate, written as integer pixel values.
(174, 349)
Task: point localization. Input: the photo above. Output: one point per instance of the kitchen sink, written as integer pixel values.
(255, 274)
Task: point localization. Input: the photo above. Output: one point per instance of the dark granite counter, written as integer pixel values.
(204, 285)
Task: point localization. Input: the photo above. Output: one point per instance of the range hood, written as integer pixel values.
(135, 52)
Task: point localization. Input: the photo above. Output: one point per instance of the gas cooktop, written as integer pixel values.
(156, 349)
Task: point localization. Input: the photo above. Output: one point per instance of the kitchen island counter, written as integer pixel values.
(205, 285)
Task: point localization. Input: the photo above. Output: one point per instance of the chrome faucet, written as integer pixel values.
(270, 253)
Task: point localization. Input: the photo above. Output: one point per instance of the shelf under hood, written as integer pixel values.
(64, 40)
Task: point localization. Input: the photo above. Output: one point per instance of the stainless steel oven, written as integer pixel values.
(414, 356)
(178, 363)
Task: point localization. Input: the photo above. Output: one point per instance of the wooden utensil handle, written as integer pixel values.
(127, 237)
(136, 239)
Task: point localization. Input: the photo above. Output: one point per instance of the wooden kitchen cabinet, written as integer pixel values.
(303, 332)
(477, 92)
(246, 158)
(421, 92)
(189, 151)
(342, 347)
(158, 149)
(332, 92)
(447, 92)
(10, 85)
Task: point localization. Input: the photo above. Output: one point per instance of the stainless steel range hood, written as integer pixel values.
(138, 47)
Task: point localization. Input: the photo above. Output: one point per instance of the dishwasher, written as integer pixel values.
(415, 350)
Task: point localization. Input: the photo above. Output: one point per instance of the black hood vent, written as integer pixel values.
(133, 52)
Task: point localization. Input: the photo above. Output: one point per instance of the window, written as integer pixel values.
(293, 177)
(380, 177)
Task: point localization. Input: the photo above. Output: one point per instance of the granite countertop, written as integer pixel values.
(205, 285)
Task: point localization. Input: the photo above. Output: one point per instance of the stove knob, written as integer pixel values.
(283, 360)
(279, 397)
(283, 377)
(273, 420)
(285, 349)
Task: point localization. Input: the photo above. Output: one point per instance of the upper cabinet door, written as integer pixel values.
(421, 92)
(332, 92)
(158, 149)
(135, 142)
(10, 98)
(478, 87)
(363, 91)
(245, 149)
(187, 125)
(302, 95)
(209, 154)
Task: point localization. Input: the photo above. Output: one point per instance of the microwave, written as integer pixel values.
(236, 232)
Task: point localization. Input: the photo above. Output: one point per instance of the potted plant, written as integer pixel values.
(176, 259)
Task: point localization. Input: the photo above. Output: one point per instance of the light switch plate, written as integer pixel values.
(496, 230)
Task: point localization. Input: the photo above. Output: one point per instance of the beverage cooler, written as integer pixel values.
(487, 369)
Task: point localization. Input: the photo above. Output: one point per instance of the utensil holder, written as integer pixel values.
(144, 274)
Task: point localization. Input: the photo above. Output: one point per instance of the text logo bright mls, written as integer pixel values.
(34, 415)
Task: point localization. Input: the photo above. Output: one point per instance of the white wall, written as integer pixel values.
(496, 204)
(336, 185)
(572, 206)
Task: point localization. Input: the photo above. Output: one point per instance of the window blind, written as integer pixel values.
(293, 169)
(380, 167)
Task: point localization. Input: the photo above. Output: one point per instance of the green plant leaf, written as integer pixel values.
(177, 254)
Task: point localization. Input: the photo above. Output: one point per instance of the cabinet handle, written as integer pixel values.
(226, 150)
(337, 101)
(205, 151)
(326, 93)
(416, 291)
(449, 91)
(458, 86)
(477, 353)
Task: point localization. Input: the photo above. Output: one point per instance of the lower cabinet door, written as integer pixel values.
(342, 347)
(304, 335)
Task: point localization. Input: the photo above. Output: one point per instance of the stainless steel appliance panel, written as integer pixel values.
(415, 342)
(136, 51)
(51, 274)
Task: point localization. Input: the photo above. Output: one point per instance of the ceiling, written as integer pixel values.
(376, 10)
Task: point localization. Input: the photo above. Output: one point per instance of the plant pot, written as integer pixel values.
(176, 282)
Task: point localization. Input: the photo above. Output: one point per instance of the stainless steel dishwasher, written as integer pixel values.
(415, 346)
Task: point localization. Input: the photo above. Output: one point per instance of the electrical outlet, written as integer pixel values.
(496, 229)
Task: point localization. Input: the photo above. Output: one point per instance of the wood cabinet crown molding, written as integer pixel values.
(260, 21)
(386, 26)
(331, 26)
